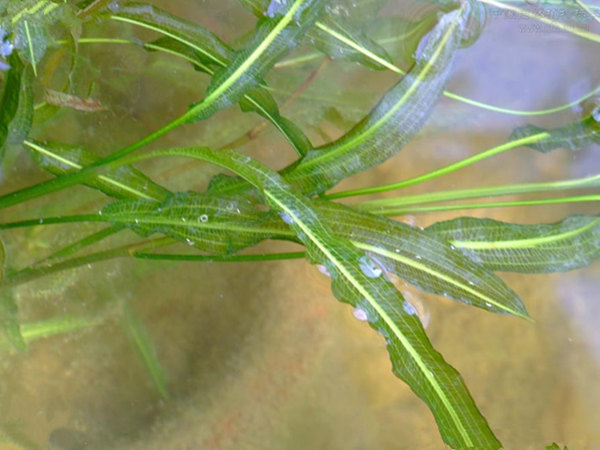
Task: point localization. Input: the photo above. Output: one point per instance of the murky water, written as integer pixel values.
(261, 356)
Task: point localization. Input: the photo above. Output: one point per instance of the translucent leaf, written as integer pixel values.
(272, 38)
(566, 245)
(141, 341)
(216, 224)
(16, 107)
(397, 117)
(353, 281)
(10, 332)
(423, 259)
(32, 36)
(207, 52)
(340, 40)
(124, 182)
(400, 37)
(574, 136)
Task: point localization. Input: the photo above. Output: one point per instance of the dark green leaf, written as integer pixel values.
(574, 136)
(393, 122)
(216, 224)
(16, 107)
(422, 258)
(566, 245)
(124, 182)
(353, 281)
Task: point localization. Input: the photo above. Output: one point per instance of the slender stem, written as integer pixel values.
(573, 30)
(444, 170)
(493, 191)
(214, 258)
(486, 205)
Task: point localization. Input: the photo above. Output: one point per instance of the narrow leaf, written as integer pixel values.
(141, 341)
(34, 35)
(272, 38)
(413, 358)
(124, 182)
(574, 136)
(16, 107)
(216, 224)
(10, 332)
(207, 53)
(393, 122)
(54, 326)
(58, 98)
(566, 245)
(423, 259)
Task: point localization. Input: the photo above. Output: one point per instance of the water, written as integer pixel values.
(260, 355)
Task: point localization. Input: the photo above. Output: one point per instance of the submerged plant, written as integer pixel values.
(357, 245)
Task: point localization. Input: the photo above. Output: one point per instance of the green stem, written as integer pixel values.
(494, 191)
(444, 170)
(214, 258)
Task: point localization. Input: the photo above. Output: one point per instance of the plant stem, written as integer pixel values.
(444, 170)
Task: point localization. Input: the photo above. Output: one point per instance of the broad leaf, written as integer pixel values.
(216, 224)
(353, 281)
(574, 136)
(566, 245)
(422, 258)
(124, 182)
(393, 122)
(16, 107)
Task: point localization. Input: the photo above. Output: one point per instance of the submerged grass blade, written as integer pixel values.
(141, 341)
(32, 331)
(566, 245)
(413, 358)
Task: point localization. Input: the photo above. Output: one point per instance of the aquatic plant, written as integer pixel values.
(357, 245)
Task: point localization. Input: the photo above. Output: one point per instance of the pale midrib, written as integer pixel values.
(523, 243)
(421, 267)
(389, 322)
(78, 167)
(373, 129)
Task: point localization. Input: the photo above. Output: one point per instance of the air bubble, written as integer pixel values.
(360, 314)
(188, 241)
(286, 217)
(369, 267)
(596, 114)
(203, 218)
(409, 308)
(323, 270)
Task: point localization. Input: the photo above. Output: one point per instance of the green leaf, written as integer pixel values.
(574, 136)
(35, 38)
(214, 223)
(207, 53)
(413, 358)
(208, 48)
(141, 341)
(340, 40)
(400, 37)
(124, 182)
(16, 107)
(54, 326)
(393, 122)
(422, 258)
(10, 331)
(272, 39)
(566, 245)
